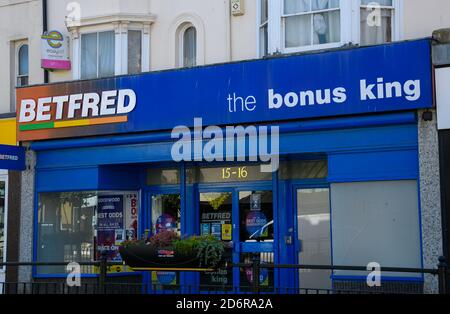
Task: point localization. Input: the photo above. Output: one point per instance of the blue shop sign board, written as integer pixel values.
(384, 78)
(12, 157)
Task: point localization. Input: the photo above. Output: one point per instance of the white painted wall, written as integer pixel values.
(225, 38)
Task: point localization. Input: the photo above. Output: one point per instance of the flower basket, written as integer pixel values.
(166, 250)
(144, 256)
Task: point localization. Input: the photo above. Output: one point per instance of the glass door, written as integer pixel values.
(165, 216)
(243, 219)
(216, 218)
(256, 237)
(314, 236)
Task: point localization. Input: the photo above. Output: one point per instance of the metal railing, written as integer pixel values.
(104, 284)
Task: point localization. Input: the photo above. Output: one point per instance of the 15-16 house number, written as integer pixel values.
(232, 173)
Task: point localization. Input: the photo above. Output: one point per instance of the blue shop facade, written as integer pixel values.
(344, 192)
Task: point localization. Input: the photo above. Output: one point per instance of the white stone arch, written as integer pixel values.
(176, 31)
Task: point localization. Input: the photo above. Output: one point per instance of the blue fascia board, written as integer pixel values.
(285, 127)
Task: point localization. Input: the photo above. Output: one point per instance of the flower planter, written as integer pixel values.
(143, 256)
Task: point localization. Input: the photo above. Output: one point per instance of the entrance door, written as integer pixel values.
(244, 219)
(313, 231)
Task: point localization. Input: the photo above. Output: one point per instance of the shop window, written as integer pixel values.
(163, 176)
(97, 55)
(377, 19)
(82, 226)
(376, 222)
(304, 169)
(134, 51)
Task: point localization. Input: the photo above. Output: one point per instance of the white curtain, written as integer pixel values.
(134, 52)
(106, 54)
(324, 27)
(190, 47)
(376, 34)
(89, 56)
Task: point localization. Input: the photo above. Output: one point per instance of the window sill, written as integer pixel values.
(312, 48)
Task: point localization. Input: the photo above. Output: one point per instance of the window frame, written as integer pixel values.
(396, 31)
(349, 21)
(181, 32)
(97, 37)
(120, 29)
(313, 46)
(134, 29)
(17, 75)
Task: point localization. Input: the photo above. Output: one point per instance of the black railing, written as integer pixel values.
(105, 284)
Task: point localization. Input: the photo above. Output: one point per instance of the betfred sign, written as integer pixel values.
(88, 105)
(384, 78)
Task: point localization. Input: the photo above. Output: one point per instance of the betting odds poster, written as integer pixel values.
(117, 219)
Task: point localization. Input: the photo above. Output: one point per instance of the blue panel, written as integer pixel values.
(120, 177)
(337, 83)
(285, 127)
(73, 179)
(384, 165)
(12, 157)
(389, 137)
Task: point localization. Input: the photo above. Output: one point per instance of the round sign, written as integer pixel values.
(255, 221)
(165, 277)
(165, 222)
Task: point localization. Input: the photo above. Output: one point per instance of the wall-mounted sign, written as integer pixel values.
(12, 157)
(375, 79)
(55, 51)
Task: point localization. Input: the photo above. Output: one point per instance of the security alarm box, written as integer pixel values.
(237, 7)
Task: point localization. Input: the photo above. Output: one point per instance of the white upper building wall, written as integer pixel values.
(221, 37)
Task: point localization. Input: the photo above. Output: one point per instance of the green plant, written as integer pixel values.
(210, 251)
(186, 246)
(129, 243)
(163, 239)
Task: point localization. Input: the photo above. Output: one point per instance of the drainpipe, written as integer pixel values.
(45, 29)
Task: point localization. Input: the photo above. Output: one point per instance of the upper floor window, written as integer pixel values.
(311, 22)
(189, 46)
(377, 19)
(97, 55)
(264, 28)
(298, 25)
(22, 66)
(134, 51)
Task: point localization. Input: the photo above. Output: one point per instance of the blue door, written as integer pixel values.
(242, 217)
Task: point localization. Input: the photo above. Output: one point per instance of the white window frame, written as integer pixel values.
(115, 51)
(19, 45)
(182, 30)
(349, 20)
(120, 28)
(397, 21)
(4, 177)
(312, 46)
